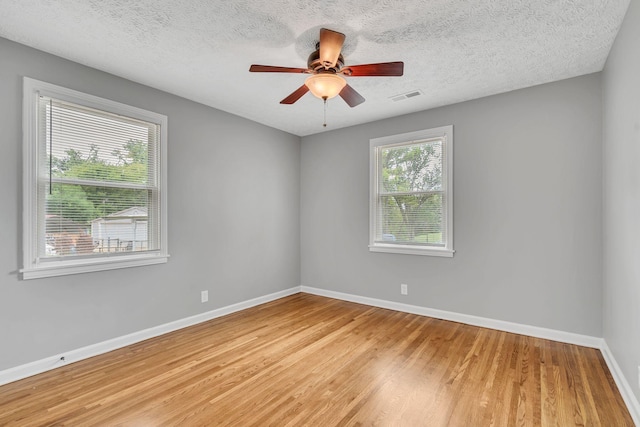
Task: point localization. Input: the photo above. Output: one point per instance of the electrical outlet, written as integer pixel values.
(404, 289)
(204, 296)
(638, 375)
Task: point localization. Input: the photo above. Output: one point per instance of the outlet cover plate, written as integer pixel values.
(204, 296)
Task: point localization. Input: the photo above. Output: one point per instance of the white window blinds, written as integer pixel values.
(98, 181)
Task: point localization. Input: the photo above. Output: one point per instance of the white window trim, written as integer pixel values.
(34, 269)
(445, 132)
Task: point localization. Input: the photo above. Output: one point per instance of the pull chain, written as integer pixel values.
(325, 112)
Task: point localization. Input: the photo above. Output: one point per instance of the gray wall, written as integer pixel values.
(527, 218)
(621, 87)
(233, 220)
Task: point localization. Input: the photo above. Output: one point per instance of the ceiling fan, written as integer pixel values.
(326, 66)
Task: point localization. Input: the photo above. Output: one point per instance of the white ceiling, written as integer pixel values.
(453, 50)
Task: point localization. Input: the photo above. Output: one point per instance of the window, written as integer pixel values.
(411, 199)
(94, 185)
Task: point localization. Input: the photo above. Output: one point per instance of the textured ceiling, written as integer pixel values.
(453, 50)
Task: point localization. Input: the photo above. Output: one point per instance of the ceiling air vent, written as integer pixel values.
(407, 95)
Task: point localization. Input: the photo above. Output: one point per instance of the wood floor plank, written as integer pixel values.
(306, 360)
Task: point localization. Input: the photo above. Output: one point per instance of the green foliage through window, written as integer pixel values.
(83, 203)
(411, 194)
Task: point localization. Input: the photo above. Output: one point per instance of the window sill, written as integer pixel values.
(412, 250)
(63, 268)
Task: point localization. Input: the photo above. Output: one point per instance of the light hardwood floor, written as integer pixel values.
(306, 360)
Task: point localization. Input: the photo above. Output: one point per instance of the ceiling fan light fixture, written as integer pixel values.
(325, 65)
(325, 85)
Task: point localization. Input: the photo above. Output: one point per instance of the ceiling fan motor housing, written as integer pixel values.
(314, 63)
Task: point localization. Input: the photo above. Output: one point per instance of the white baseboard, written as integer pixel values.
(501, 325)
(52, 362)
(623, 385)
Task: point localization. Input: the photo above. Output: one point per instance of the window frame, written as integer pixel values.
(33, 267)
(375, 145)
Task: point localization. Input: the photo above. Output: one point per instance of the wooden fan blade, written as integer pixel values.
(330, 46)
(295, 95)
(271, 69)
(350, 96)
(381, 69)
